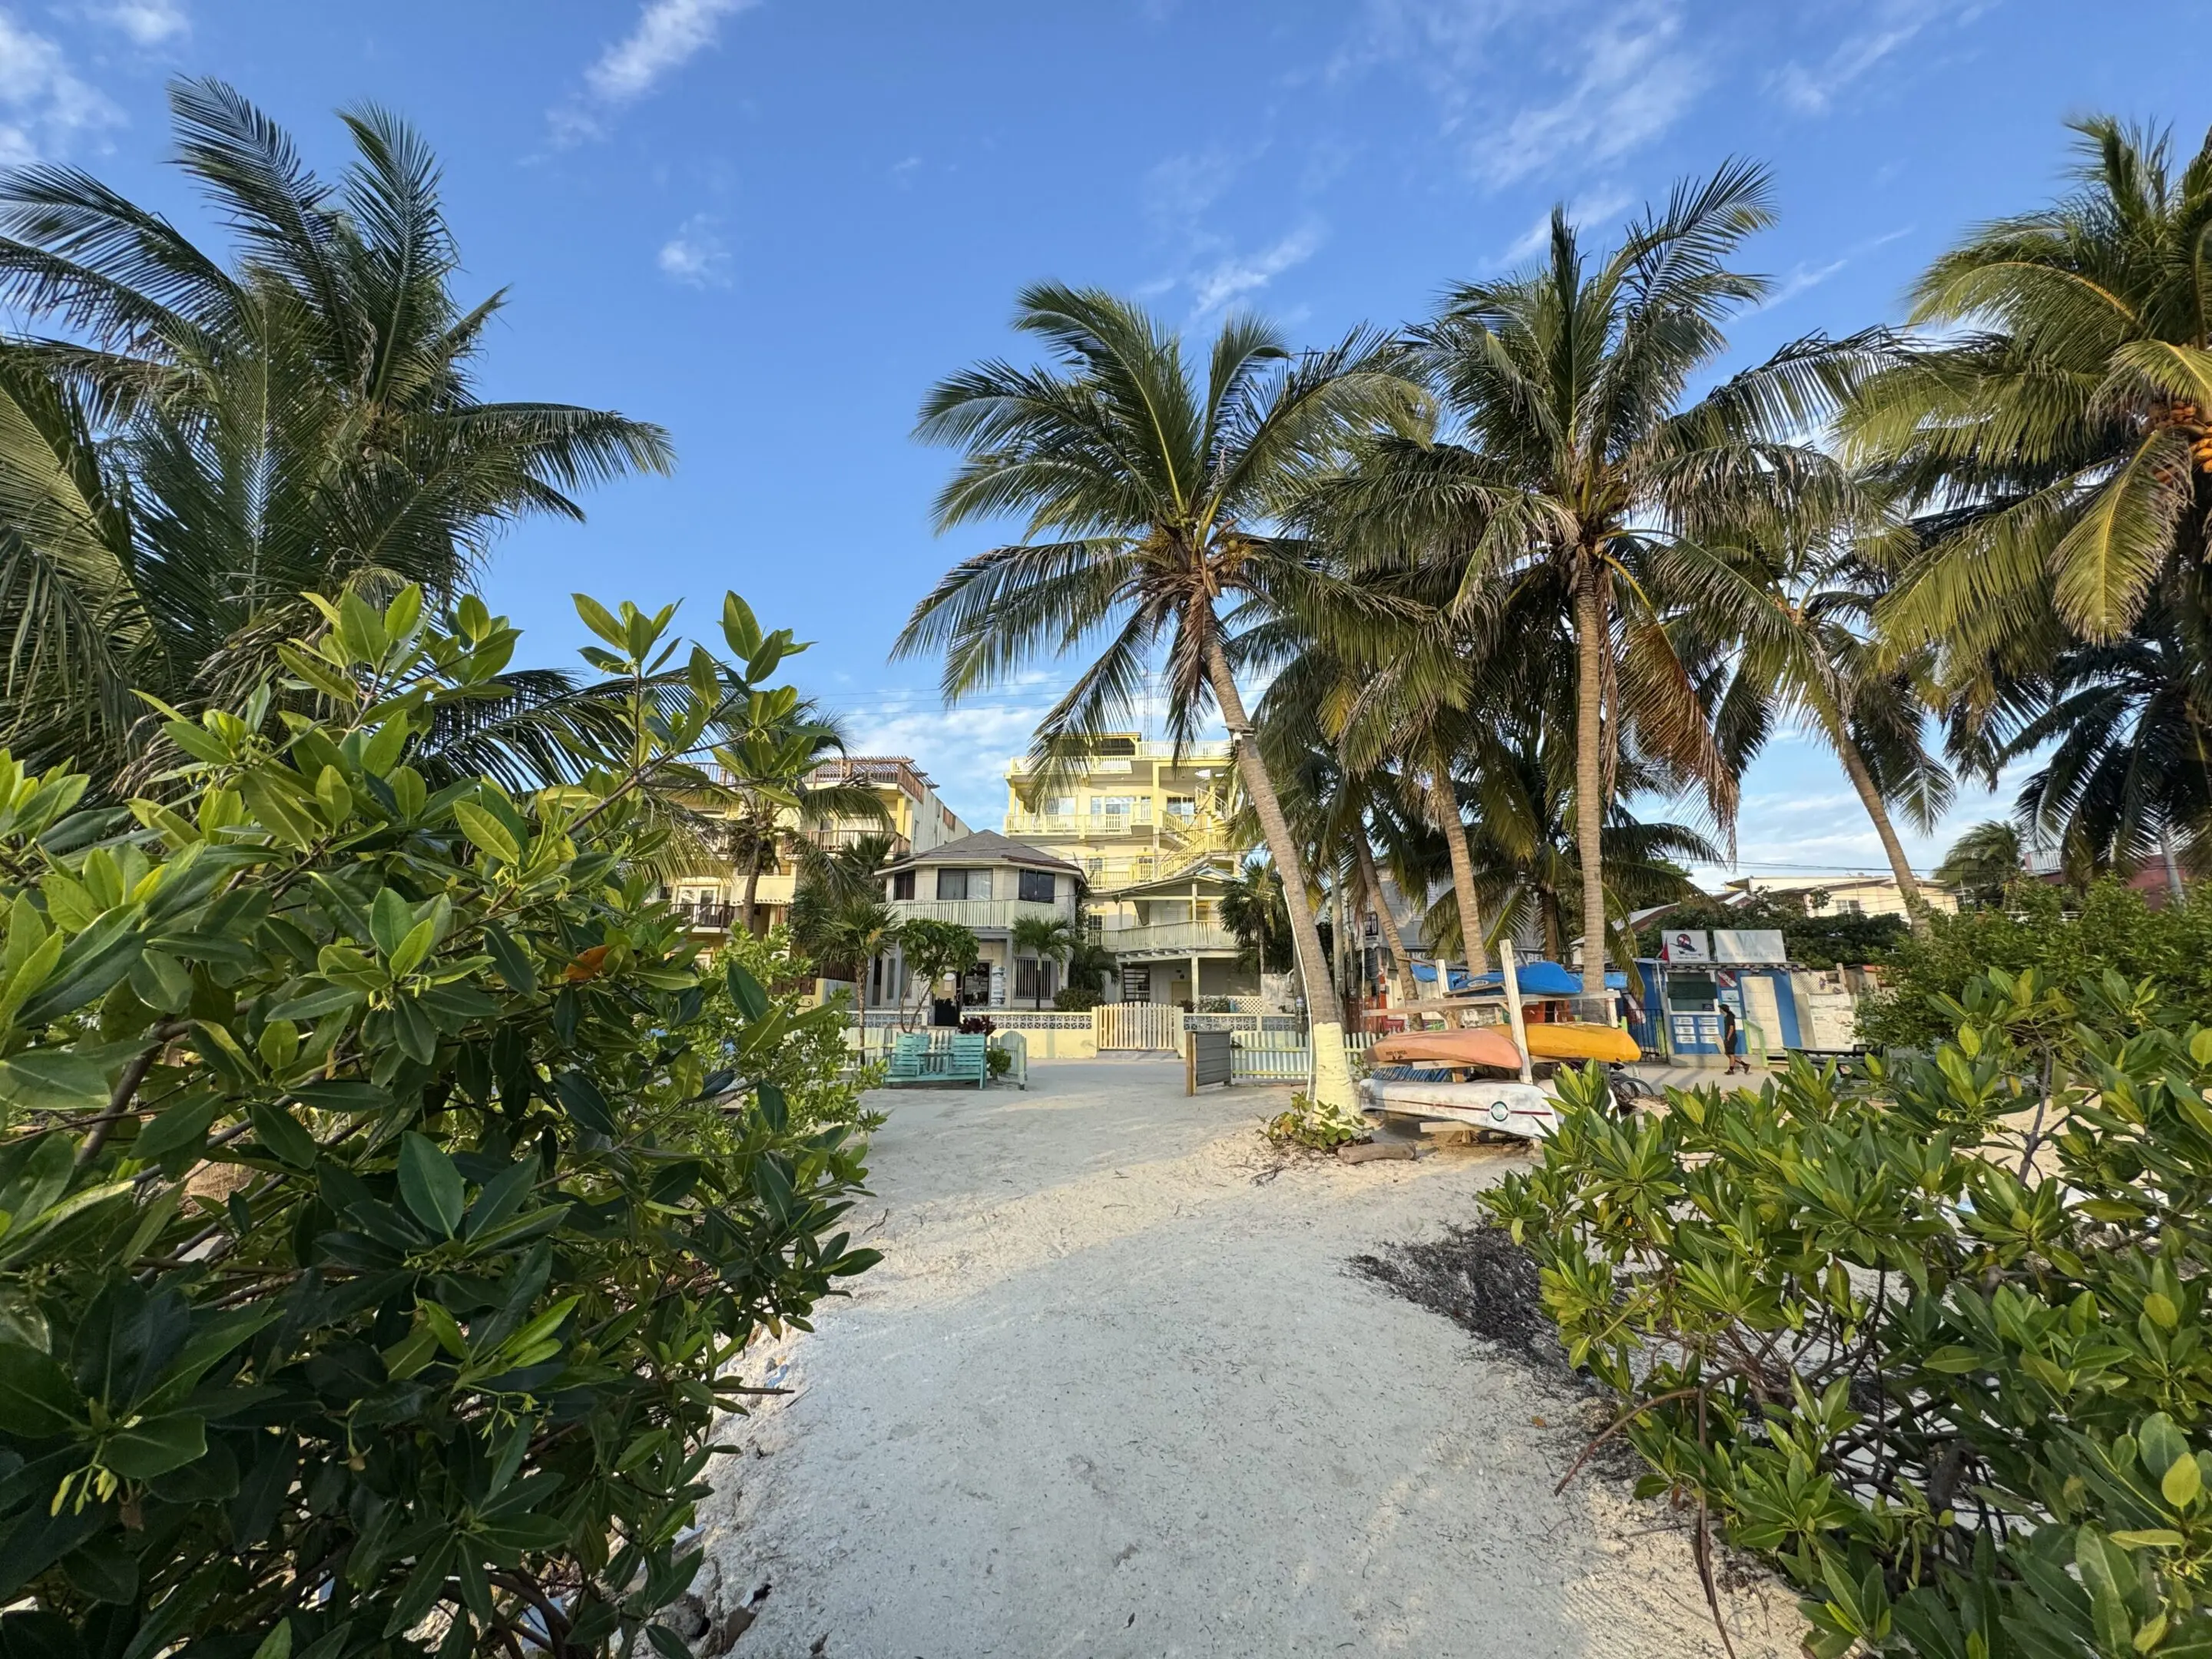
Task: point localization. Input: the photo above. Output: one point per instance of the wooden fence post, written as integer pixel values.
(1189, 1062)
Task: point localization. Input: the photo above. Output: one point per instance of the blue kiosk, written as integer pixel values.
(1698, 974)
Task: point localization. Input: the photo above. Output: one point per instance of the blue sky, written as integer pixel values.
(769, 226)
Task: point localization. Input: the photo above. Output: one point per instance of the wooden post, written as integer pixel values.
(1189, 1062)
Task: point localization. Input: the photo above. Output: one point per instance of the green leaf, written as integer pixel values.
(281, 1135)
(37, 1399)
(487, 832)
(584, 1101)
(2106, 1573)
(512, 961)
(146, 1449)
(739, 626)
(277, 1645)
(180, 1127)
(745, 991)
(314, 1004)
(430, 1184)
(2162, 1443)
(598, 619)
(2182, 1482)
(390, 919)
(418, 944)
(52, 1081)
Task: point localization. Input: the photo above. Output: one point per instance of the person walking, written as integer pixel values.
(1732, 1044)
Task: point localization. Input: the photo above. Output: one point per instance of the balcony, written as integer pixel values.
(708, 915)
(983, 915)
(1166, 940)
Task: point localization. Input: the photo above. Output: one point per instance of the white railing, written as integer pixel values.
(975, 913)
(1169, 938)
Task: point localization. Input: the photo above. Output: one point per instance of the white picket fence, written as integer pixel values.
(1140, 1025)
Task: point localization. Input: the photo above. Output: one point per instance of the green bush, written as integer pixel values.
(814, 1065)
(1934, 1346)
(2063, 935)
(1076, 999)
(374, 1239)
(1306, 1124)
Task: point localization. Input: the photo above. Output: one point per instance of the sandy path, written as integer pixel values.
(1112, 1392)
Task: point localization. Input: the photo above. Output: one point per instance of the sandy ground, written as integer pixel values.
(1113, 1392)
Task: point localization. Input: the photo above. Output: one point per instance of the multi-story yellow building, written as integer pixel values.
(918, 821)
(1149, 827)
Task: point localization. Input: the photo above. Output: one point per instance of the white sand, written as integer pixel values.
(1114, 1392)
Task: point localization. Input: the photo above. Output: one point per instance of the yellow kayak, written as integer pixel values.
(1565, 1040)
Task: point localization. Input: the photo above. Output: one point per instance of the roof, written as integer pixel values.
(985, 846)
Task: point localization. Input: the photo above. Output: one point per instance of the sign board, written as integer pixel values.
(1749, 944)
(1684, 945)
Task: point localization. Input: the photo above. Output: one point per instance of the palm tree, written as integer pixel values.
(1151, 496)
(1254, 908)
(2127, 725)
(1579, 470)
(1524, 849)
(209, 443)
(2057, 437)
(768, 790)
(851, 934)
(1047, 938)
(1983, 862)
(1804, 620)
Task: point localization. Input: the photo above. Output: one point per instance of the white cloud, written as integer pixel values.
(1797, 280)
(1894, 25)
(147, 22)
(668, 35)
(1610, 78)
(1235, 276)
(696, 255)
(903, 171)
(1588, 213)
(44, 107)
(1635, 82)
(1182, 187)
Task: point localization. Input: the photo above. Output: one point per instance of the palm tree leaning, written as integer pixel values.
(1047, 939)
(208, 442)
(1152, 496)
(1575, 460)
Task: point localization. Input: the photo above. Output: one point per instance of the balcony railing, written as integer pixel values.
(979, 914)
(708, 915)
(1168, 939)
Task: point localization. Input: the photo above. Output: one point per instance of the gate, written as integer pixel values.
(1148, 1025)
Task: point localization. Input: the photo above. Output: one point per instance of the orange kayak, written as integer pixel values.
(1567, 1039)
(1485, 1045)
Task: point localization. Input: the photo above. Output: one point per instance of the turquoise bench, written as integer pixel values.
(951, 1057)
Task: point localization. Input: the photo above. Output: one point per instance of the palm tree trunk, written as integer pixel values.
(1400, 962)
(1590, 738)
(1444, 812)
(1908, 884)
(1332, 1075)
(752, 889)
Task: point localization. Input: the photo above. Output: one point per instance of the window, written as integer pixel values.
(952, 883)
(1035, 887)
(1181, 808)
(902, 884)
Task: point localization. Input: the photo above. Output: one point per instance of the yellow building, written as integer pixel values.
(1149, 827)
(918, 822)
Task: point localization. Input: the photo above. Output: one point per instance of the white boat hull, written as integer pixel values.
(1510, 1109)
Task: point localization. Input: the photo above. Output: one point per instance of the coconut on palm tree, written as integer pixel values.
(1153, 493)
(186, 446)
(1576, 465)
